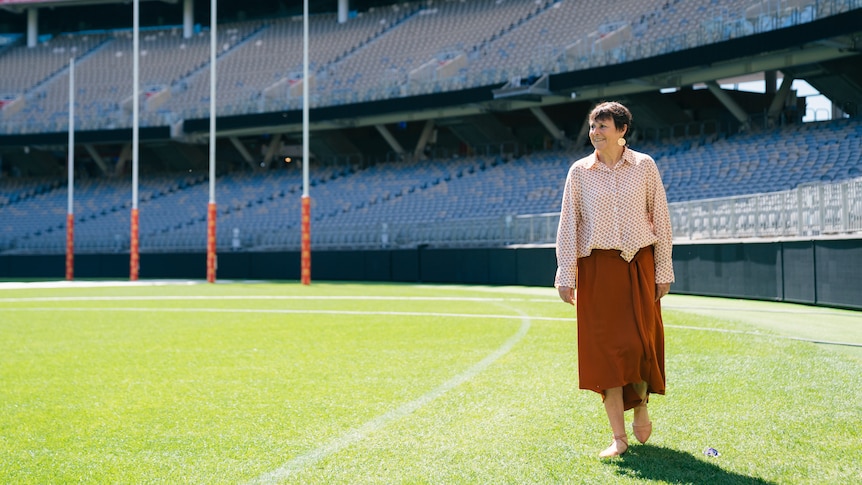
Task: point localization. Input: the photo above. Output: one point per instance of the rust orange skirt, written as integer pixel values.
(620, 330)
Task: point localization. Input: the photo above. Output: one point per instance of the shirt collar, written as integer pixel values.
(628, 157)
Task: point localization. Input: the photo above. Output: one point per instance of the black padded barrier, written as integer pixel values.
(838, 272)
(729, 270)
(820, 272)
(798, 272)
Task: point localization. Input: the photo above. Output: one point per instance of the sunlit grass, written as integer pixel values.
(351, 383)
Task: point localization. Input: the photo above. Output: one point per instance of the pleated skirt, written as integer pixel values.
(620, 329)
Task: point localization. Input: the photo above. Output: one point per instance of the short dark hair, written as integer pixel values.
(615, 111)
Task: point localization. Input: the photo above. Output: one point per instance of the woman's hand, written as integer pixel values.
(661, 289)
(567, 294)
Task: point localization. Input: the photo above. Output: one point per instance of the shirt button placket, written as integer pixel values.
(617, 226)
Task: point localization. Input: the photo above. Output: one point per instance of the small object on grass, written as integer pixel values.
(711, 452)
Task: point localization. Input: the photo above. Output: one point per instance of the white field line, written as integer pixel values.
(353, 312)
(258, 297)
(16, 285)
(387, 298)
(278, 311)
(683, 307)
(300, 462)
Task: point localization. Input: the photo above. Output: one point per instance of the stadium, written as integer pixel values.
(431, 347)
(433, 125)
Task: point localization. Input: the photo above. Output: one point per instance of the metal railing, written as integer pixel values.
(809, 210)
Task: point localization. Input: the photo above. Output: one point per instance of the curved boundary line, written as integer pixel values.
(302, 461)
(354, 435)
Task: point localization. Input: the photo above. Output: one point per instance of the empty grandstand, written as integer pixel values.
(444, 123)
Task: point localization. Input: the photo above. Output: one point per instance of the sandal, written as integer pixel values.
(642, 432)
(617, 448)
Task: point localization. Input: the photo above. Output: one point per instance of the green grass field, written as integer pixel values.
(378, 383)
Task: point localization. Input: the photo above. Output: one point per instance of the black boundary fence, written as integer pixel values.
(825, 272)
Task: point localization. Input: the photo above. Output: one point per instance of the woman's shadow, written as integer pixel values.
(671, 466)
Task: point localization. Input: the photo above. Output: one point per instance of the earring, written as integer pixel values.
(621, 142)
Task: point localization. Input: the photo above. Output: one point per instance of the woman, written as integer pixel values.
(614, 246)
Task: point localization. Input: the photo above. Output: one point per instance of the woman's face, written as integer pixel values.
(604, 134)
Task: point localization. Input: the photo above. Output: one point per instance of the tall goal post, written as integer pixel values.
(211, 206)
(134, 241)
(70, 203)
(305, 253)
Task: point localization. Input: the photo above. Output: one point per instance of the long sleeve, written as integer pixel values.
(660, 216)
(567, 253)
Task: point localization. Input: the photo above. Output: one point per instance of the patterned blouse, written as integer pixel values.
(623, 208)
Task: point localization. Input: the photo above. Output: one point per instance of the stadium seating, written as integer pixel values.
(762, 162)
(403, 49)
(264, 208)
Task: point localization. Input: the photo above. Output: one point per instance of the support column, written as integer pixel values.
(390, 139)
(270, 152)
(427, 131)
(123, 159)
(729, 103)
(32, 26)
(779, 100)
(243, 151)
(188, 18)
(548, 123)
(97, 158)
(771, 79)
(343, 8)
(583, 133)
